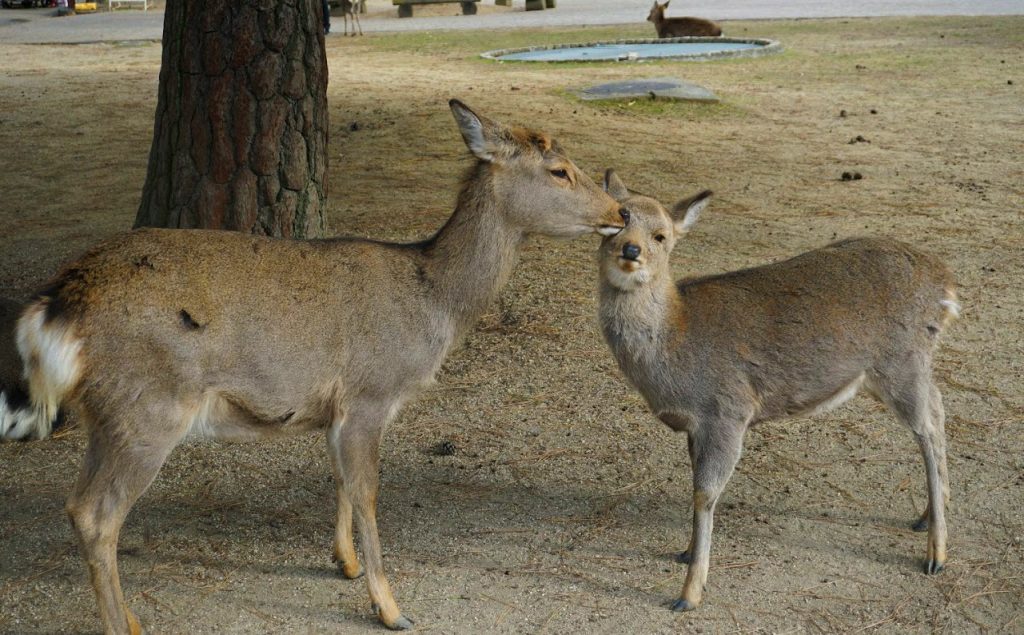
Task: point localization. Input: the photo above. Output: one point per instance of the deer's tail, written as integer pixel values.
(51, 354)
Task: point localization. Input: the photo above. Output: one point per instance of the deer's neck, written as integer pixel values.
(637, 323)
(472, 257)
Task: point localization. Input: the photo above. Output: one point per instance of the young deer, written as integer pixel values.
(351, 8)
(157, 335)
(680, 27)
(715, 355)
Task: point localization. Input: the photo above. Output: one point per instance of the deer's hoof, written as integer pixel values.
(680, 606)
(920, 525)
(683, 557)
(931, 567)
(347, 573)
(134, 628)
(403, 623)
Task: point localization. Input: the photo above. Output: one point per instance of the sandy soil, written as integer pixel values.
(564, 499)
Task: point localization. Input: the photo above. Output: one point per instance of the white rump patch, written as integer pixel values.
(6, 416)
(51, 353)
(21, 423)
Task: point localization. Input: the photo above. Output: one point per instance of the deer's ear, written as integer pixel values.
(614, 186)
(686, 212)
(664, 6)
(482, 136)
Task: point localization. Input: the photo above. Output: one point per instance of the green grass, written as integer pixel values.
(472, 43)
(663, 108)
(1005, 32)
(808, 45)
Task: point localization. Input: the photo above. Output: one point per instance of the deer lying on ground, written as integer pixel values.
(157, 335)
(680, 27)
(18, 419)
(716, 355)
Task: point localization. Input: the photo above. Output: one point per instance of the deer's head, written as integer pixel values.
(639, 254)
(657, 12)
(539, 188)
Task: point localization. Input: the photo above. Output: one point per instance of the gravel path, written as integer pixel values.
(37, 26)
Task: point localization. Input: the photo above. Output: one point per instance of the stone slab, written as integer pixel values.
(660, 88)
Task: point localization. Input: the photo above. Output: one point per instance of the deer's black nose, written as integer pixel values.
(630, 251)
(624, 213)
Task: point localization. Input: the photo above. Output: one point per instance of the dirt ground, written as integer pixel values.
(564, 499)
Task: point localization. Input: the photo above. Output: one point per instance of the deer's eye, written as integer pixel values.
(560, 174)
(660, 238)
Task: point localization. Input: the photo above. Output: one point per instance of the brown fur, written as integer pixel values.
(717, 354)
(159, 334)
(681, 27)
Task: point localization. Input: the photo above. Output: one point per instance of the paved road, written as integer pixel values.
(35, 26)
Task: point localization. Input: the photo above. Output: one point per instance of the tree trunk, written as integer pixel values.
(240, 138)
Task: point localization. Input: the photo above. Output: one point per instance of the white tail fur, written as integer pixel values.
(51, 354)
(18, 422)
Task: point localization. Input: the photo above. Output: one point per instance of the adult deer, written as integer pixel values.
(680, 27)
(156, 335)
(715, 355)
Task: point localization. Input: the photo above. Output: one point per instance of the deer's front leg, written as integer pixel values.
(714, 451)
(358, 450)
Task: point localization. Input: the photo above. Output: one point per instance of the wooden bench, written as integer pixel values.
(405, 6)
(531, 5)
(115, 4)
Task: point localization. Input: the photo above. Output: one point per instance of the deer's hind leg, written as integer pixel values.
(684, 557)
(344, 555)
(939, 420)
(914, 399)
(355, 19)
(121, 460)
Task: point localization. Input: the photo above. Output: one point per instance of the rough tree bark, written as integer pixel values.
(240, 138)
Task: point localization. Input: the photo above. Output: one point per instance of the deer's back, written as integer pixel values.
(795, 332)
(683, 27)
(865, 286)
(259, 319)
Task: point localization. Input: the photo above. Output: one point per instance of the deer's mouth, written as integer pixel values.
(626, 274)
(610, 230)
(630, 265)
(617, 224)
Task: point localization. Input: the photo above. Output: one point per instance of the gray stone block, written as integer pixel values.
(658, 88)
